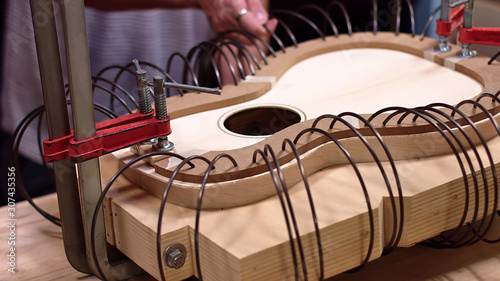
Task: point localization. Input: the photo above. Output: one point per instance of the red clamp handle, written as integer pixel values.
(480, 35)
(445, 28)
(110, 136)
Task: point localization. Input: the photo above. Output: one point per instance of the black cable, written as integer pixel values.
(253, 39)
(344, 12)
(157, 68)
(276, 39)
(114, 96)
(162, 208)
(198, 209)
(242, 51)
(45, 165)
(13, 160)
(224, 55)
(427, 117)
(283, 207)
(311, 204)
(362, 183)
(284, 188)
(324, 14)
(379, 165)
(295, 15)
(116, 86)
(103, 194)
(423, 111)
(375, 16)
(187, 68)
(428, 23)
(200, 48)
(394, 242)
(115, 82)
(494, 57)
(447, 240)
(288, 31)
(497, 128)
(492, 166)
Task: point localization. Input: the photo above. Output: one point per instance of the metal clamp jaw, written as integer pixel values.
(460, 15)
(450, 19)
(115, 134)
(160, 142)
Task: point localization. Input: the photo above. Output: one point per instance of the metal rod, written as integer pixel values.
(160, 98)
(445, 10)
(189, 88)
(143, 91)
(466, 51)
(468, 14)
(444, 16)
(161, 113)
(51, 75)
(458, 3)
(78, 60)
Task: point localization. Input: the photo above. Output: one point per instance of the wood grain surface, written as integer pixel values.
(41, 257)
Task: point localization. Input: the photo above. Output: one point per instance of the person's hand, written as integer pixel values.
(248, 15)
(223, 15)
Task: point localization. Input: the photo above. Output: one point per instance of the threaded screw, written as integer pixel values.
(143, 91)
(161, 112)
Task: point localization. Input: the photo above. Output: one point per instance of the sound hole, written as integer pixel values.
(261, 121)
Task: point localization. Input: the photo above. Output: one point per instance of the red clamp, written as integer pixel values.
(445, 28)
(110, 136)
(480, 35)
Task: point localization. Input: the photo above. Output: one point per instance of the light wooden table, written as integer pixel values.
(40, 255)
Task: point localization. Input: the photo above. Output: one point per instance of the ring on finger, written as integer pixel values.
(241, 14)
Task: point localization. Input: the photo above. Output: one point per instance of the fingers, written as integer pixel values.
(272, 24)
(252, 24)
(258, 10)
(225, 15)
(222, 14)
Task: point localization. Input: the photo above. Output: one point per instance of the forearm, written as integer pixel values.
(121, 5)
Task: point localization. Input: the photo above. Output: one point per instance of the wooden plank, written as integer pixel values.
(194, 137)
(39, 239)
(251, 240)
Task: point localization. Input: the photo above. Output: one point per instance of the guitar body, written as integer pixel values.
(251, 209)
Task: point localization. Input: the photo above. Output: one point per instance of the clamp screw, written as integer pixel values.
(175, 255)
(161, 113)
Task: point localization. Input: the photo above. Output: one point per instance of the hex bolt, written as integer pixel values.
(175, 255)
(176, 259)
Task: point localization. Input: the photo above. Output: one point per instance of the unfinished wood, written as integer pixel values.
(193, 137)
(243, 241)
(39, 246)
(250, 242)
(190, 142)
(36, 235)
(323, 153)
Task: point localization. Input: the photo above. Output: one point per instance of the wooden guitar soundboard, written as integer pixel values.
(243, 234)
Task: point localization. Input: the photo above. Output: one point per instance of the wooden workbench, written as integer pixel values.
(40, 255)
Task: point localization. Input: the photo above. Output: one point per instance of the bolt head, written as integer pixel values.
(175, 255)
(163, 144)
(176, 259)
